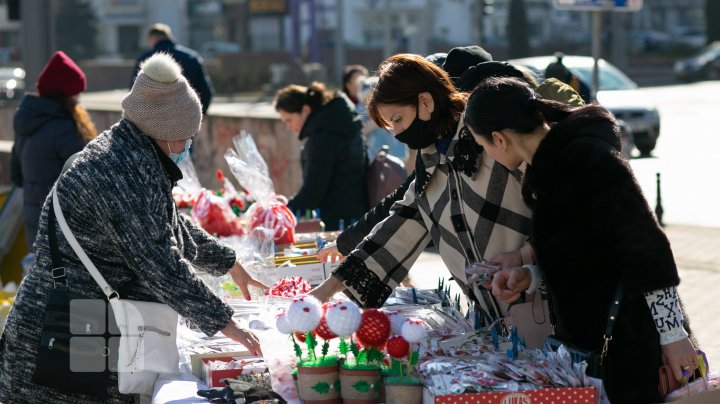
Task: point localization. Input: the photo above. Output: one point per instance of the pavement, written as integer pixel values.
(697, 254)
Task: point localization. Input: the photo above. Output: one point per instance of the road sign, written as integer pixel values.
(598, 5)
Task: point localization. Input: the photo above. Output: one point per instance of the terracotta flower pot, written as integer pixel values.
(359, 386)
(403, 393)
(318, 385)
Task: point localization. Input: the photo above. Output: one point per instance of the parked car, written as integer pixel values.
(12, 83)
(618, 93)
(705, 65)
(690, 37)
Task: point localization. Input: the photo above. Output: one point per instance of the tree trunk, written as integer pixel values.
(517, 29)
(712, 16)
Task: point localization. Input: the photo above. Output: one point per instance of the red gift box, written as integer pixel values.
(575, 395)
(215, 377)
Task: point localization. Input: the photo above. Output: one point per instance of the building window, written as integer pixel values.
(265, 33)
(128, 40)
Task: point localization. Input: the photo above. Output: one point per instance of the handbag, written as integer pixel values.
(148, 330)
(74, 346)
(532, 320)
(597, 360)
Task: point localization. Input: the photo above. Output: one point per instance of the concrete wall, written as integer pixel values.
(279, 148)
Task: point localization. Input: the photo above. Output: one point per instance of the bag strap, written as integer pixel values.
(57, 270)
(611, 318)
(107, 289)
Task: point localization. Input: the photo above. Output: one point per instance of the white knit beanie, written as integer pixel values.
(161, 102)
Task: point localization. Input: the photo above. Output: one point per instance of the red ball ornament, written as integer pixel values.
(397, 347)
(322, 330)
(301, 336)
(374, 328)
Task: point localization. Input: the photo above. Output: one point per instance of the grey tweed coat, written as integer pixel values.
(117, 200)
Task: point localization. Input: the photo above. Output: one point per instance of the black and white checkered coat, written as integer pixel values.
(468, 218)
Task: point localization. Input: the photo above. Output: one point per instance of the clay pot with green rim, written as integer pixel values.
(403, 390)
(360, 384)
(318, 384)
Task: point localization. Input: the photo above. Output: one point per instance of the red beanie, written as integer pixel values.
(61, 76)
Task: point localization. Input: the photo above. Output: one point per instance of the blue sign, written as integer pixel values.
(598, 5)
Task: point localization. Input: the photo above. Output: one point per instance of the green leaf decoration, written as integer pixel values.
(376, 385)
(361, 386)
(354, 348)
(298, 351)
(362, 358)
(325, 348)
(336, 385)
(321, 387)
(343, 346)
(413, 358)
(375, 356)
(397, 367)
(310, 341)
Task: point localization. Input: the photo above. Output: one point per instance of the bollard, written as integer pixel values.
(658, 202)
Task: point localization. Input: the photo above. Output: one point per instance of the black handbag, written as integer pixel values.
(597, 360)
(77, 345)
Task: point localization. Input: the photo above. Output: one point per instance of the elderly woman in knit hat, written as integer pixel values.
(49, 127)
(116, 198)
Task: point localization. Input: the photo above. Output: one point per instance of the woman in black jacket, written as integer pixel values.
(334, 157)
(592, 230)
(49, 127)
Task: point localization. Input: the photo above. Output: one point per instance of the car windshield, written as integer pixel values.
(610, 78)
(710, 53)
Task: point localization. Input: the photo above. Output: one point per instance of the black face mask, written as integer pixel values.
(418, 135)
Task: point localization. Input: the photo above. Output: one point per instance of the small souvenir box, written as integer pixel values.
(216, 370)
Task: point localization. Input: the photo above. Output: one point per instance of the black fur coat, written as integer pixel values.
(593, 228)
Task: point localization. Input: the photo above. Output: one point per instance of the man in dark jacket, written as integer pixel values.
(160, 39)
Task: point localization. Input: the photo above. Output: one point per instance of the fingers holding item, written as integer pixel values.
(250, 341)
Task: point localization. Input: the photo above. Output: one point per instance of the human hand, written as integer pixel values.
(326, 290)
(330, 251)
(243, 280)
(245, 337)
(507, 260)
(510, 282)
(682, 357)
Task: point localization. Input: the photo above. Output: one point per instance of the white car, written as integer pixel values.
(618, 93)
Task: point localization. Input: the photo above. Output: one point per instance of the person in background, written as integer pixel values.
(116, 197)
(592, 230)
(160, 39)
(352, 74)
(559, 71)
(49, 128)
(376, 137)
(334, 157)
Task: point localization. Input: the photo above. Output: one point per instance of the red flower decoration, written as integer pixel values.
(397, 347)
(300, 336)
(322, 330)
(374, 328)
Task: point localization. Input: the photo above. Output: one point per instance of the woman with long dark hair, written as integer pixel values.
(49, 127)
(461, 199)
(333, 157)
(592, 231)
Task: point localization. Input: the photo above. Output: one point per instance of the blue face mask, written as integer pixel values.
(178, 157)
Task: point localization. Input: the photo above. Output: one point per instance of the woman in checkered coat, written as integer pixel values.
(466, 203)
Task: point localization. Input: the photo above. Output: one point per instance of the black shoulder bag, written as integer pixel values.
(597, 360)
(75, 345)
